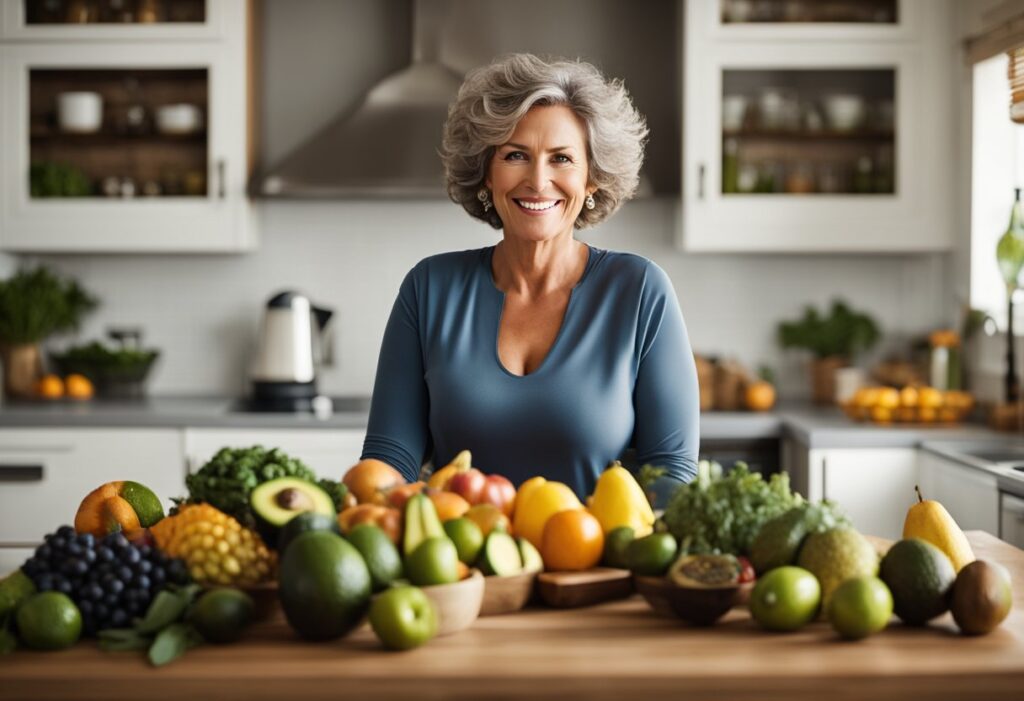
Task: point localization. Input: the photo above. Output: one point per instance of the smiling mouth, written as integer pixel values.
(537, 205)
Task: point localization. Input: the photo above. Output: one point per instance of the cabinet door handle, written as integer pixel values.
(221, 178)
(21, 473)
(700, 181)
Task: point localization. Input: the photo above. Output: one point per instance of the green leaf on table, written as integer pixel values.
(172, 642)
(166, 608)
(122, 639)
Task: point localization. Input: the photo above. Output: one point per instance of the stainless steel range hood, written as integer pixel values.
(387, 147)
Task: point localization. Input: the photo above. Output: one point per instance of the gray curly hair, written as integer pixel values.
(494, 98)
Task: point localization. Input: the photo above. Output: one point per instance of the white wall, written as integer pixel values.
(319, 55)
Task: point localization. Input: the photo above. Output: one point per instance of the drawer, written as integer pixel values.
(45, 474)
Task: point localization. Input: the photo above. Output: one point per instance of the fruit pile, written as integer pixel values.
(910, 404)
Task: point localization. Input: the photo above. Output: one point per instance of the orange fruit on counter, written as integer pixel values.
(50, 387)
(449, 505)
(78, 386)
(488, 517)
(387, 519)
(572, 540)
(371, 481)
(537, 505)
(759, 396)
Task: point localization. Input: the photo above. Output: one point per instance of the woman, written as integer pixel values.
(542, 355)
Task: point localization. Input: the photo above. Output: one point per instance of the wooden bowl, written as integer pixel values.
(458, 604)
(700, 607)
(507, 594)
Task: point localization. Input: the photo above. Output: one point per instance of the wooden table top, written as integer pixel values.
(612, 651)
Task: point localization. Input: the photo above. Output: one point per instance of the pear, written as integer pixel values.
(421, 523)
(618, 500)
(929, 520)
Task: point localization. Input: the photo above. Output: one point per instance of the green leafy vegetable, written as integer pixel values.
(843, 332)
(36, 303)
(723, 513)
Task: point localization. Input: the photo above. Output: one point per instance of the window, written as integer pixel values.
(997, 168)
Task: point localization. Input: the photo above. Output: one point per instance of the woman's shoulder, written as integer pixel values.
(450, 263)
(637, 269)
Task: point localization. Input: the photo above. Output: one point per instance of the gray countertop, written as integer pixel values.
(814, 427)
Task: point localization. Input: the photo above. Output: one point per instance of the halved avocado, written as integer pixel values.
(532, 561)
(500, 555)
(276, 502)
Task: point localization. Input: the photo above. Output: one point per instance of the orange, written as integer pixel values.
(573, 540)
(760, 396)
(371, 481)
(449, 505)
(78, 387)
(50, 387)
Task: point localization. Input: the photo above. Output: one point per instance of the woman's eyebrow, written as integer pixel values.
(521, 147)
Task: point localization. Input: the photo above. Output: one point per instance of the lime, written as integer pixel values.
(381, 555)
(220, 615)
(615, 545)
(652, 554)
(144, 502)
(434, 561)
(467, 536)
(49, 621)
(786, 598)
(859, 607)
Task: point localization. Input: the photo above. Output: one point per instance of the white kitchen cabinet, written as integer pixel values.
(46, 473)
(803, 182)
(189, 189)
(873, 486)
(1011, 520)
(328, 452)
(18, 25)
(970, 495)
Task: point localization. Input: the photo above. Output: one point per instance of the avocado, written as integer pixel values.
(421, 522)
(275, 502)
(380, 554)
(920, 576)
(306, 521)
(982, 597)
(324, 585)
(500, 555)
(652, 554)
(532, 561)
(778, 541)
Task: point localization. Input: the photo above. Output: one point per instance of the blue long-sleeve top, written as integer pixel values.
(620, 373)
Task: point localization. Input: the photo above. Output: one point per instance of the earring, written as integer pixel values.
(485, 198)
(589, 202)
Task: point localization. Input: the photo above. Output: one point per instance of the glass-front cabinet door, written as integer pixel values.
(854, 20)
(104, 155)
(83, 20)
(815, 144)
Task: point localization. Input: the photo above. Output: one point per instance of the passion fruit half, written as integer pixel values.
(706, 571)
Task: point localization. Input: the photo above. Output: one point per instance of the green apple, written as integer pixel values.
(403, 617)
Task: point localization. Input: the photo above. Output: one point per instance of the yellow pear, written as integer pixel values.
(618, 500)
(929, 520)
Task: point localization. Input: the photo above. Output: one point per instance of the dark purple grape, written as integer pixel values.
(89, 555)
(74, 548)
(100, 611)
(104, 553)
(86, 540)
(94, 592)
(145, 567)
(118, 618)
(66, 531)
(64, 587)
(142, 581)
(111, 600)
(158, 576)
(145, 550)
(45, 582)
(130, 555)
(58, 542)
(118, 541)
(114, 586)
(124, 573)
(44, 552)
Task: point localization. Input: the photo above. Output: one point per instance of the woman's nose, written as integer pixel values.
(538, 177)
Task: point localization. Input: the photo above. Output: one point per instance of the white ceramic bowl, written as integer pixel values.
(79, 112)
(844, 112)
(178, 119)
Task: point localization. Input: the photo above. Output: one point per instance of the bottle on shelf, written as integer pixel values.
(1010, 257)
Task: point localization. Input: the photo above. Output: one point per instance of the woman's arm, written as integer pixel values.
(665, 397)
(398, 431)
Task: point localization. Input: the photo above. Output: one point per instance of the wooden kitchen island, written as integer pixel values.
(621, 650)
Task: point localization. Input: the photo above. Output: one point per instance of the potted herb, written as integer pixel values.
(33, 305)
(833, 339)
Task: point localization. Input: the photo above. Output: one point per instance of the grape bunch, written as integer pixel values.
(109, 579)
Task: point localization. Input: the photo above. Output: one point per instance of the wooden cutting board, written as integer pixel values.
(594, 586)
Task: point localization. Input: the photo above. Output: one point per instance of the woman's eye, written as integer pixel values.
(515, 156)
(561, 158)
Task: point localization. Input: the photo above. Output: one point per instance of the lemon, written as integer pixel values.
(49, 621)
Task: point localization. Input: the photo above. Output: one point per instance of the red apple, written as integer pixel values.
(468, 485)
(499, 491)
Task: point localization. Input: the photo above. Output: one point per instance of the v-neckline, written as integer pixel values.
(561, 329)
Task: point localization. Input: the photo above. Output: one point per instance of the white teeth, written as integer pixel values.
(537, 206)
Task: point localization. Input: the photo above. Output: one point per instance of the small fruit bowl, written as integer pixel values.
(699, 606)
(507, 594)
(458, 604)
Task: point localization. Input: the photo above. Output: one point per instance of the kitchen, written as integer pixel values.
(195, 276)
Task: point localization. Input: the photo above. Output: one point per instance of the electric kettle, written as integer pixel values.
(290, 348)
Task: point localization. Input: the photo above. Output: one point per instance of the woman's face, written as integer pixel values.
(538, 178)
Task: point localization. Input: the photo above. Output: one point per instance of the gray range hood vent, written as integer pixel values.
(387, 147)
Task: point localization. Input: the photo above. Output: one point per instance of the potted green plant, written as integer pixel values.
(834, 339)
(34, 304)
